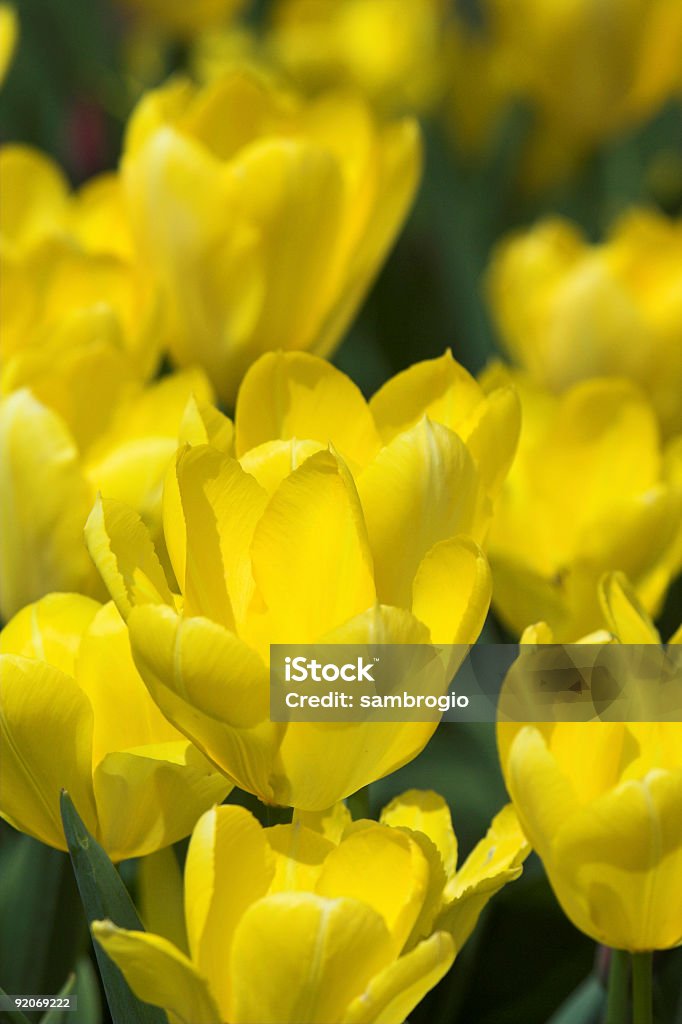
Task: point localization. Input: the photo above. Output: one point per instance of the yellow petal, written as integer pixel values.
(383, 868)
(427, 812)
(122, 550)
(314, 522)
(39, 701)
(272, 461)
(331, 823)
(9, 30)
(396, 176)
(213, 688)
(164, 788)
(202, 423)
(623, 854)
(34, 196)
(229, 866)
(422, 488)
(159, 882)
(159, 973)
(492, 435)
(452, 591)
(221, 506)
(299, 856)
(393, 993)
(50, 630)
(44, 506)
(625, 615)
(438, 388)
(355, 753)
(300, 959)
(293, 395)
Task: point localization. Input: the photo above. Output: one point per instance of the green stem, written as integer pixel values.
(642, 988)
(619, 972)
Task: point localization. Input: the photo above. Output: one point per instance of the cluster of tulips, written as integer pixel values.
(153, 547)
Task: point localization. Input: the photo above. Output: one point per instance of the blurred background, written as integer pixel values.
(528, 109)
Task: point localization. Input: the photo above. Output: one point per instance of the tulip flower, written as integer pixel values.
(69, 268)
(591, 491)
(568, 310)
(601, 803)
(264, 218)
(75, 714)
(391, 50)
(289, 924)
(82, 426)
(335, 522)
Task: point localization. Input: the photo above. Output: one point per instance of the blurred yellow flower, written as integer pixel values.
(601, 803)
(66, 435)
(264, 218)
(568, 310)
(9, 31)
(184, 17)
(336, 522)
(591, 490)
(391, 50)
(321, 920)
(75, 714)
(587, 70)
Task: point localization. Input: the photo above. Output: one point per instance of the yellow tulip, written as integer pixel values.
(391, 50)
(69, 266)
(79, 427)
(264, 218)
(75, 714)
(9, 30)
(591, 491)
(568, 310)
(322, 920)
(601, 803)
(336, 522)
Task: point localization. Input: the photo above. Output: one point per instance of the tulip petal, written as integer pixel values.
(293, 395)
(272, 461)
(50, 630)
(44, 505)
(213, 688)
(164, 787)
(331, 823)
(202, 423)
(121, 548)
(452, 591)
(35, 195)
(313, 523)
(298, 957)
(299, 856)
(46, 740)
(398, 166)
(427, 812)
(625, 614)
(229, 866)
(438, 388)
(492, 436)
(159, 973)
(623, 851)
(383, 868)
(393, 993)
(222, 506)
(422, 488)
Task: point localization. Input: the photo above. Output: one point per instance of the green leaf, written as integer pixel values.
(584, 1006)
(105, 896)
(89, 1006)
(12, 1016)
